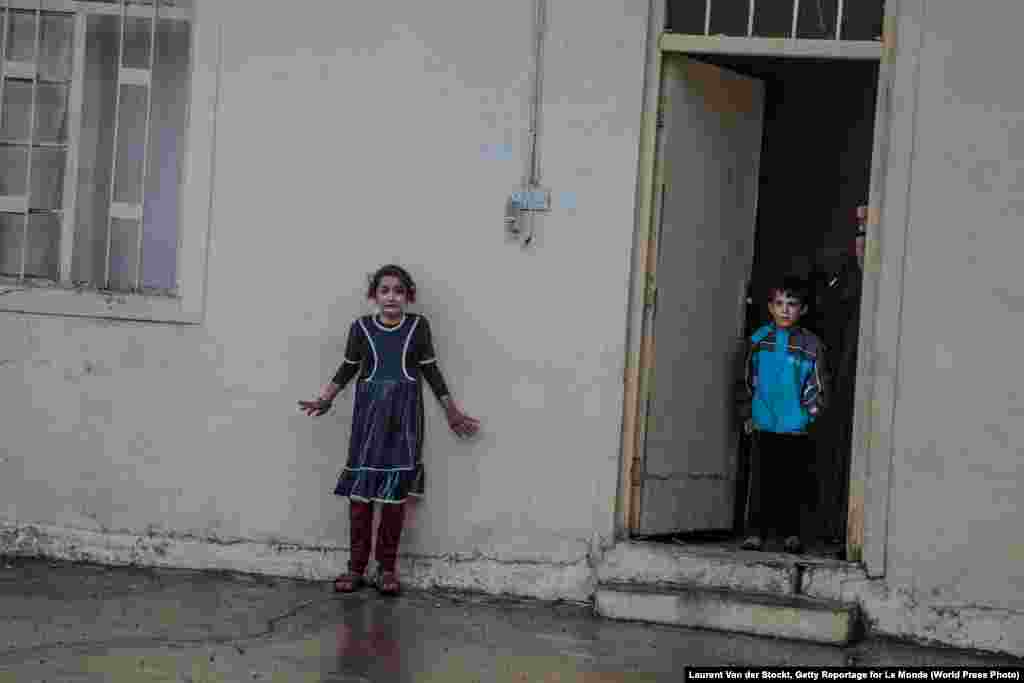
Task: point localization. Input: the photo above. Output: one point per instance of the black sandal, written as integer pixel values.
(752, 543)
(388, 584)
(349, 582)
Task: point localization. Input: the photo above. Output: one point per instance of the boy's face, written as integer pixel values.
(391, 296)
(785, 308)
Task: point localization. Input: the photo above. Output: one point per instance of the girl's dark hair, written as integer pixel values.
(394, 271)
(794, 286)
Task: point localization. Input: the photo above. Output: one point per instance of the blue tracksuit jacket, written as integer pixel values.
(785, 380)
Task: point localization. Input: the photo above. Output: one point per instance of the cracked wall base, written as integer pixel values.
(532, 579)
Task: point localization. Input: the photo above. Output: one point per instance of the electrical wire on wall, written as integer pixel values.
(521, 208)
(533, 181)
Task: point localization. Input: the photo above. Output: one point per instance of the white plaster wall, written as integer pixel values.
(955, 513)
(347, 139)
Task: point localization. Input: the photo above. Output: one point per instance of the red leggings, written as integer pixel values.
(392, 516)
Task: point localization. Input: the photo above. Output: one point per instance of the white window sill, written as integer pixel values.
(62, 301)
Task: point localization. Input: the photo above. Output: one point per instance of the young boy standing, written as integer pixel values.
(785, 390)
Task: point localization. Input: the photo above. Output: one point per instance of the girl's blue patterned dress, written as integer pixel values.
(385, 448)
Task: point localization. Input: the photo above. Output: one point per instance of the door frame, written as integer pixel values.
(881, 302)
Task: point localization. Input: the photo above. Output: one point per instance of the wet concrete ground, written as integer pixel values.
(67, 622)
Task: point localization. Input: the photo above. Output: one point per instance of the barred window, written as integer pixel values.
(800, 19)
(94, 108)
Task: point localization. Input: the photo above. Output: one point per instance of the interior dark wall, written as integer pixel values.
(816, 168)
(815, 165)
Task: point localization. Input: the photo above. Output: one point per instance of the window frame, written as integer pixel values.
(187, 305)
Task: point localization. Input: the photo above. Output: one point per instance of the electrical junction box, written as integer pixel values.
(531, 199)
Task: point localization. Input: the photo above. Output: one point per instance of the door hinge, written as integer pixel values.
(659, 119)
(636, 476)
(651, 294)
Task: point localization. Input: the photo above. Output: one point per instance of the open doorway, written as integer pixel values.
(762, 163)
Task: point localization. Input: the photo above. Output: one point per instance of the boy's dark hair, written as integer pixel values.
(394, 271)
(792, 285)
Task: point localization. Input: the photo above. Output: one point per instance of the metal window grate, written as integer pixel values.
(45, 95)
(34, 83)
(128, 215)
(793, 19)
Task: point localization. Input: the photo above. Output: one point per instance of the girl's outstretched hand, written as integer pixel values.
(315, 408)
(463, 425)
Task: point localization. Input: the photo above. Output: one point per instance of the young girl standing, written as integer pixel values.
(391, 351)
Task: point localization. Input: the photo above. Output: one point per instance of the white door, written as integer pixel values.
(709, 154)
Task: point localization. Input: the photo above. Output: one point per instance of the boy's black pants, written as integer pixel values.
(779, 474)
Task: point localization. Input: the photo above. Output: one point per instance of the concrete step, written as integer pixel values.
(716, 566)
(790, 616)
